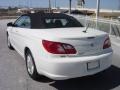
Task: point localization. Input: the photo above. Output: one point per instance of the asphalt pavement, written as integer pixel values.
(13, 74)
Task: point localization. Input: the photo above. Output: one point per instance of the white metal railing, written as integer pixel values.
(110, 26)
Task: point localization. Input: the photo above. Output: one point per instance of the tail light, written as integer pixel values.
(107, 43)
(58, 48)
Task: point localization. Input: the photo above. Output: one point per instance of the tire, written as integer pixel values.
(9, 44)
(30, 65)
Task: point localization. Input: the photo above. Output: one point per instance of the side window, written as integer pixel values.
(56, 23)
(27, 22)
(23, 22)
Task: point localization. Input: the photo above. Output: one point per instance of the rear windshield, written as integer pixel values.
(61, 23)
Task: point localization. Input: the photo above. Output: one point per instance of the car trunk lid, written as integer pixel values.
(88, 43)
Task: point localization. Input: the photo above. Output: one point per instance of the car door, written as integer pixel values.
(21, 25)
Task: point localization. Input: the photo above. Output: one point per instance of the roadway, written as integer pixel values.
(13, 75)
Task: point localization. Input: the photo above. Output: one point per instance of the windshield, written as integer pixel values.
(61, 23)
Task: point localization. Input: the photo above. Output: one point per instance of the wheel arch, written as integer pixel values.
(7, 33)
(25, 51)
(34, 54)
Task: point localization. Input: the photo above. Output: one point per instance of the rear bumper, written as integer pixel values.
(72, 67)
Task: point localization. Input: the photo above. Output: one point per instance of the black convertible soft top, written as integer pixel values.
(37, 19)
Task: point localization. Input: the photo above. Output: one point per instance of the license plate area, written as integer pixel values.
(93, 65)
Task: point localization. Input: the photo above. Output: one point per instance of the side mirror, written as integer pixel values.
(10, 24)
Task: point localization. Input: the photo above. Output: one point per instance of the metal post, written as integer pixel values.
(70, 1)
(110, 27)
(119, 5)
(19, 3)
(29, 4)
(97, 13)
(55, 3)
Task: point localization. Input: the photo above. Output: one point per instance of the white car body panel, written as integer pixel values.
(63, 66)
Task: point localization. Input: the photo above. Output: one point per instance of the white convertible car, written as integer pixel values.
(58, 46)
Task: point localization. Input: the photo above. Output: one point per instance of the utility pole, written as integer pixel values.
(97, 13)
(49, 6)
(70, 2)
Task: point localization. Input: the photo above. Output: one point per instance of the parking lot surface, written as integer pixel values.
(13, 74)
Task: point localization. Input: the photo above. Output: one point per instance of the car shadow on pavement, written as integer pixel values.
(106, 80)
(43, 79)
